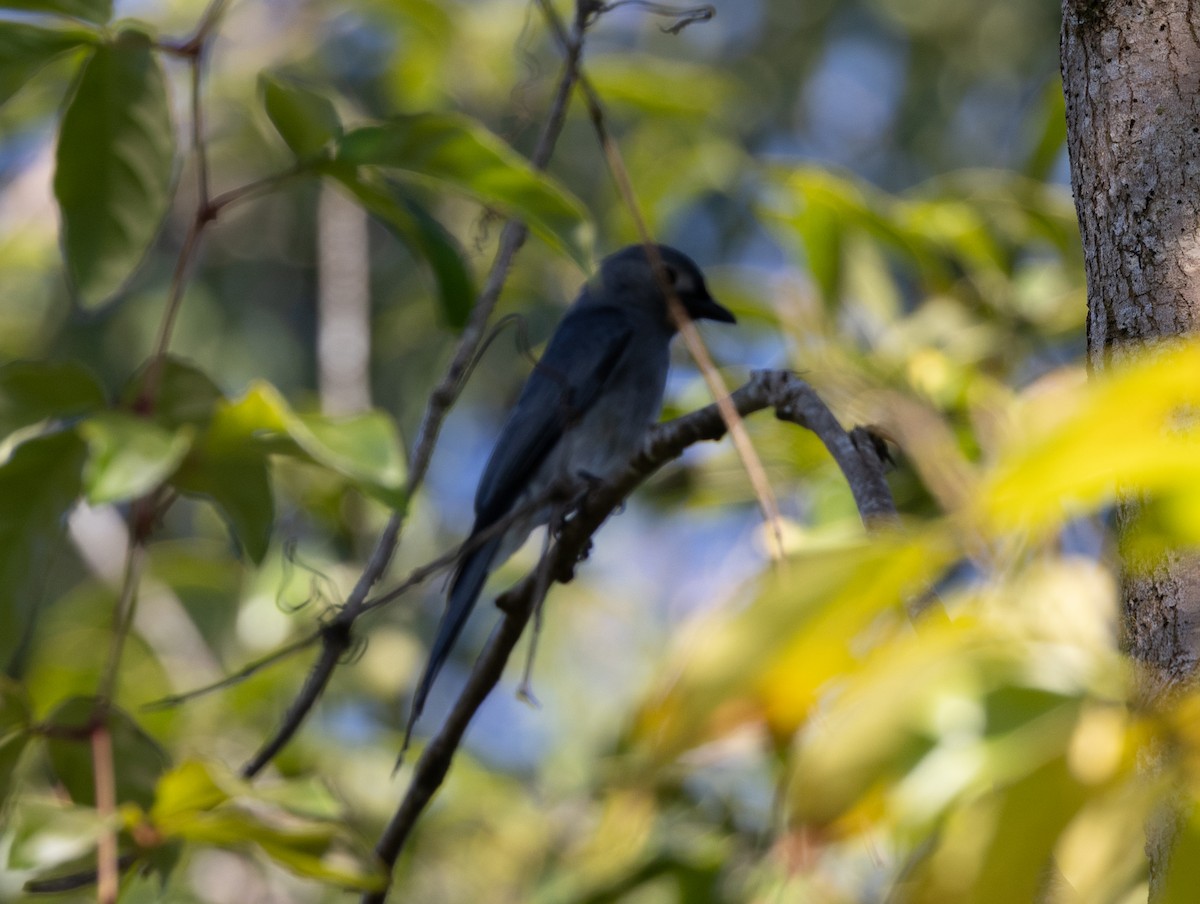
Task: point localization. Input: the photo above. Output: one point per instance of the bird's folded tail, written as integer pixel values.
(471, 575)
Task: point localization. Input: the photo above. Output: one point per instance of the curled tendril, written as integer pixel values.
(321, 588)
(683, 16)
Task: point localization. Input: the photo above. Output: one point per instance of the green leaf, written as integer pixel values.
(24, 49)
(14, 732)
(39, 483)
(414, 226)
(305, 120)
(457, 152)
(99, 11)
(186, 394)
(14, 708)
(301, 846)
(661, 87)
(130, 456)
(234, 476)
(50, 836)
(1183, 868)
(12, 745)
(31, 391)
(137, 758)
(199, 803)
(1053, 135)
(365, 448)
(116, 154)
(188, 788)
(239, 484)
(229, 460)
(141, 888)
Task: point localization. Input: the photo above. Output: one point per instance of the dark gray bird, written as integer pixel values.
(580, 417)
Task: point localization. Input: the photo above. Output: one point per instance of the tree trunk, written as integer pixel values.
(1131, 76)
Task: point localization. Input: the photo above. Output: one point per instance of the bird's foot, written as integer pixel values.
(591, 482)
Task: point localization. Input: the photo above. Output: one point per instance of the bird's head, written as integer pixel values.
(628, 277)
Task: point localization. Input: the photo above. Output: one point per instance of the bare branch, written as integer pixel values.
(791, 398)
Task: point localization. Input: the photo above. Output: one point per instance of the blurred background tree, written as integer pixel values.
(879, 190)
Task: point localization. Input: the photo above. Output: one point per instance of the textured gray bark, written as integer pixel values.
(1131, 76)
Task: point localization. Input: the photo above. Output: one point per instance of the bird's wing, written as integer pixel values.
(569, 377)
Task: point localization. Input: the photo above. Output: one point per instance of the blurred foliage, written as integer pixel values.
(941, 714)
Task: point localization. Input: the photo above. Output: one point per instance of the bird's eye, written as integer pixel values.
(672, 275)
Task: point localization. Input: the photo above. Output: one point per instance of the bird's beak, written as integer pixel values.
(708, 309)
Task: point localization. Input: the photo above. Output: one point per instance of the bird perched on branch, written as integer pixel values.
(581, 415)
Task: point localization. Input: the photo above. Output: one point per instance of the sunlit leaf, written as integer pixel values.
(1101, 854)
(930, 718)
(1076, 445)
(229, 460)
(310, 797)
(234, 475)
(659, 86)
(31, 391)
(138, 760)
(417, 228)
(773, 659)
(458, 153)
(306, 120)
(90, 10)
(39, 484)
(820, 207)
(129, 456)
(996, 851)
(364, 448)
(24, 49)
(115, 164)
(186, 789)
(309, 848)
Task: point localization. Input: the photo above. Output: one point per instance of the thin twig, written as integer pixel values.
(187, 252)
(194, 49)
(691, 336)
(123, 613)
(683, 15)
(415, 577)
(239, 676)
(199, 145)
(792, 399)
(253, 189)
(105, 781)
(441, 399)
